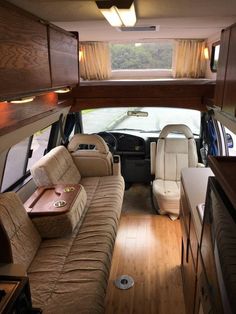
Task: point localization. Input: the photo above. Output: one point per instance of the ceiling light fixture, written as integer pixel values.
(22, 100)
(118, 13)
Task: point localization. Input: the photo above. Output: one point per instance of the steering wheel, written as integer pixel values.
(110, 140)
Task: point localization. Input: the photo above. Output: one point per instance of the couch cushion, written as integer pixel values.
(69, 275)
(23, 236)
(55, 167)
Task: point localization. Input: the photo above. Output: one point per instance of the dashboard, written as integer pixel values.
(134, 152)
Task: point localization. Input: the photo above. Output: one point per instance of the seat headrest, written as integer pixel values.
(180, 128)
(88, 139)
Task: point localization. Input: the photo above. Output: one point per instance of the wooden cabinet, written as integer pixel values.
(203, 301)
(24, 63)
(193, 192)
(221, 69)
(63, 51)
(229, 102)
(188, 261)
(208, 261)
(225, 96)
(35, 56)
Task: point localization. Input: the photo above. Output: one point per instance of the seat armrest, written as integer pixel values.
(153, 147)
(116, 165)
(200, 165)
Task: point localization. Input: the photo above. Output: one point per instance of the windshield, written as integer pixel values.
(154, 119)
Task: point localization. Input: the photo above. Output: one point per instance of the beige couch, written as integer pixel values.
(67, 274)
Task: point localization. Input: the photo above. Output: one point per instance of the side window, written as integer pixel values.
(215, 51)
(16, 164)
(230, 138)
(39, 145)
(22, 156)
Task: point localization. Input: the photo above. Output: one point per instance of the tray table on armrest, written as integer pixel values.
(57, 210)
(43, 202)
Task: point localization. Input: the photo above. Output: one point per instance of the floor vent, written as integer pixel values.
(124, 282)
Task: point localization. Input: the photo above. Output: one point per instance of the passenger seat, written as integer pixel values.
(168, 157)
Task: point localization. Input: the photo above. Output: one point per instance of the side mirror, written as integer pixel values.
(229, 140)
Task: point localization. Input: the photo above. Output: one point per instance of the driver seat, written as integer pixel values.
(96, 161)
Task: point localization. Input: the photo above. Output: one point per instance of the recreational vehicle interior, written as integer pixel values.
(117, 167)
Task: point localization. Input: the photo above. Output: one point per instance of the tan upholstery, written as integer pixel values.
(24, 238)
(91, 162)
(61, 225)
(172, 155)
(70, 274)
(55, 167)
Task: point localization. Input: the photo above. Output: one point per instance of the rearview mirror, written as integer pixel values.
(229, 140)
(136, 113)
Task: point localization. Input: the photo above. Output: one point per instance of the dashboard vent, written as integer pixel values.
(154, 28)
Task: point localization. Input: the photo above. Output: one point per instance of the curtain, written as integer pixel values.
(95, 63)
(190, 61)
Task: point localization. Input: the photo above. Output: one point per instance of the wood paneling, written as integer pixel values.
(148, 249)
(24, 64)
(229, 102)
(63, 50)
(221, 69)
(14, 116)
(164, 95)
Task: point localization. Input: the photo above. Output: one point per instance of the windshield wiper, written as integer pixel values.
(151, 131)
(126, 129)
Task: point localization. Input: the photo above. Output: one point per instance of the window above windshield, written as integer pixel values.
(142, 55)
(153, 121)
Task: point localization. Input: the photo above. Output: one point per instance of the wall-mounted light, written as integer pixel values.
(206, 53)
(22, 100)
(118, 13)
(81, 54)
(63, 90)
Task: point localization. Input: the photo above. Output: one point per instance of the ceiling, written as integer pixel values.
(176, 19)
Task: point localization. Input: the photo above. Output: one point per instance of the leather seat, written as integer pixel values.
(168, 157)
(92, 162)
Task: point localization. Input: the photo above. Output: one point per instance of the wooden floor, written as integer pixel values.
(148, 249)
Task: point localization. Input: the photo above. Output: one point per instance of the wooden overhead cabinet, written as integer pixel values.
(63, 50)
(225, 95)
(24, 62)
(35, 56)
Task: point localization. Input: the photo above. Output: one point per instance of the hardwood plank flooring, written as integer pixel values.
(148, 249)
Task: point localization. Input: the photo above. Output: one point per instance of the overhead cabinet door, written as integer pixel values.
(63, 50)
(222, 67)
(229, 103)
(24, 61)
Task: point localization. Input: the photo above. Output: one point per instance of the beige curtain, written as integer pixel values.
(190, 61)
(95, 63)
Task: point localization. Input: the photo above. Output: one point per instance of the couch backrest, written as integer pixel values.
(55, 167)
(19, 239)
